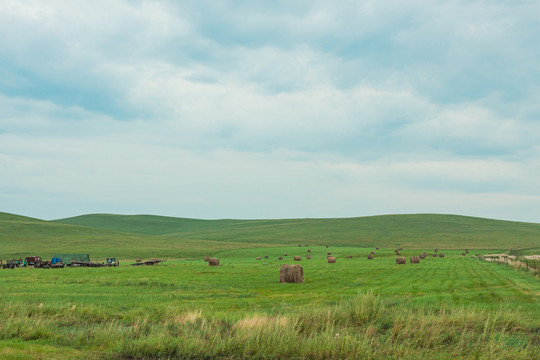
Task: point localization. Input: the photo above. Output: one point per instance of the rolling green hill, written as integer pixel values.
(129, 237)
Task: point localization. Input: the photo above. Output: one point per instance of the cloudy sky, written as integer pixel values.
(270, 109)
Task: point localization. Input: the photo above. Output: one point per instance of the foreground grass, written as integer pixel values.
(363, 327)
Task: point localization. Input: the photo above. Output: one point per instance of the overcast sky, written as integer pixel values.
(270, 109)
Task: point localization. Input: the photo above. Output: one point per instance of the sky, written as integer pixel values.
(270, 109)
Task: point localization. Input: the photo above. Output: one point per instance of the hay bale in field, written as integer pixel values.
(329, 253)
(285, 254)
(415, 260)
(441, 255)
(434, 255)
(213, 261)
(373, 252)
(306, 245)
(466, 252)
(206, 258)
(259, 258)
(400, 248)
(309, 250)
(349, 256)
(436, 250)
(297, 258)
(331, 259)
(280, 258)
(401, 260)
(299, 245)
(423, 256)
(370, 256)
(398, 253)
(462, 254)
(138, 260)
(327, 246)
(376, 248)
(291, 274)
(308, 257)
(266, 256)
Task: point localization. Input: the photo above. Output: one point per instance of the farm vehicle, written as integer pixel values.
(12, 264)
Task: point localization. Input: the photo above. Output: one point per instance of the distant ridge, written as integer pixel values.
(149, 235)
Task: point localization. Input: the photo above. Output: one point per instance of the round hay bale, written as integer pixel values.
(373, 252)
(423, 256)
(291, 274)
(331, 259)
(441, 255)
(349, 256)
(401, 260)
(308, 257)
(326, 246)
(280, 258)
(259, 258)
(309, 250)
(297, 258)
(206, 258)
(434, 255)
(466, 252)
(285, 254)
(370, 256)
(299, 245)
(415, 260)
(213, 261)
(400, 248)
(462, 254)
(329, 253)
(266, 256)
(376, 248)
(306, 245)
(436, 250)
(398, 253)
(140, 260)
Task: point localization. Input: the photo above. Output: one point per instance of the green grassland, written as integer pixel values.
(443, 308)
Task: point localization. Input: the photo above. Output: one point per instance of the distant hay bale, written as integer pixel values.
(434, 255)
(400, 248)
(297, 258)
(401, 260)
(373, 252)
(376, 248)
(327, 246)
(370, 256)
(291, 274)
(306, 245)
(436, 250)
(349, 256)
(213, 261)
(309, 250)
(398, 253)
(140, 260)
(466, 252)
(285, 254)
(423, 256)
(259, 258)
(331, 259)
(441, 255)
(462, 254)
(299, 245)
(329, 253)
(415, 260)
(280, 258)
(266, 256)
(308, 257)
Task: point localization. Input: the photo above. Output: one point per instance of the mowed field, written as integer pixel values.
(443, 308)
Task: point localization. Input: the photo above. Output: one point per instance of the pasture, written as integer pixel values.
(443, 308)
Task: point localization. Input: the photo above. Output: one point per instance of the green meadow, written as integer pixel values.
(443, 308)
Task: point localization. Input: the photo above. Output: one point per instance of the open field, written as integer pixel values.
(442, 308)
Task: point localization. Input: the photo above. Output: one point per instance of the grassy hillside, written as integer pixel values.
(129, 237)
(414, 231)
